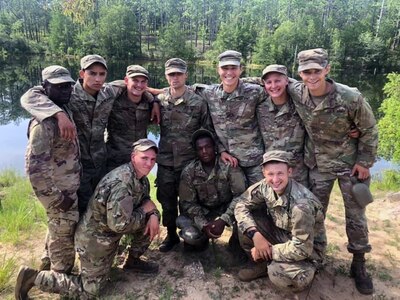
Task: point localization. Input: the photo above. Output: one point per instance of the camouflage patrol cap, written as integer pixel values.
(89, 60)
(277, 155)
(312, 59)
(274, 69)
(229, 58)
(175, 65)
(56, 74)
(136, 70)
(144, 145)
(199, 133)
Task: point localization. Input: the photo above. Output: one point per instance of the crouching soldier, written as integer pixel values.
(53, 168)
(281, 226)
(120, 204)
(207, 193)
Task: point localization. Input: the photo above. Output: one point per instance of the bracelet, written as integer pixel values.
(250, 233)
(153, 212)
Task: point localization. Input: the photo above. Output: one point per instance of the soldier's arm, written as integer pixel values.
(40, 170)
(301, 245)
(188, 200)
(253, 80)
(35, 102)
(238, 184)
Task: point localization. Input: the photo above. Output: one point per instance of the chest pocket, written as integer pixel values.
(334, 123)
(281, 218)
(207, 193)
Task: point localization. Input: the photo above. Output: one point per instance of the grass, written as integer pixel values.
(7, 270)
(388, 181)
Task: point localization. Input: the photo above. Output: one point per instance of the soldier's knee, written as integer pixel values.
(292, 278)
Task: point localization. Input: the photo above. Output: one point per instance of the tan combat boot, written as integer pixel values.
(140, 265)
(25, 281)
(257, 270)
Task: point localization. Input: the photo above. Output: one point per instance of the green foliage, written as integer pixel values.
(62, 33)
(21, 213)
(390, 181)
(389, 124)
(7, 269)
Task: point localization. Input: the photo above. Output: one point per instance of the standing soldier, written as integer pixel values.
(207, 195)
(52, 164)
(182, 113)
(281, 225)
(120, 204)
(329, 110)
(234, 109)
(129, 117)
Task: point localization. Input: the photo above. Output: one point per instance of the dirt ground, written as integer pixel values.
(212, 274)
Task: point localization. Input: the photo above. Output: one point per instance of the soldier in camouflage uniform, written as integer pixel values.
(53, 168)
(120, 204)
(234, 109)
(182, 113)
(208, 190)
(130, 116)
(329, 110)
(281, 226)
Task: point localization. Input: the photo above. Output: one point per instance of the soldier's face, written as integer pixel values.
(277, 176)
(314, 79)
(176, 80)
(205, 150)
(93, 78)
(275, 85)
(58, 93)
(229, 76)
(143, 162)
(136, 86)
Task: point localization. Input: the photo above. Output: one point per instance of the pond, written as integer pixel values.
(17, 76)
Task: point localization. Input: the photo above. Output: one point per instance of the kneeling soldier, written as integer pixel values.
(281, 226)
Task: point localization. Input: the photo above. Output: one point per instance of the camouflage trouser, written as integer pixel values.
(300, 173)
(89, 180)
(253, 174)
(96, 258)
(321, 185)
(60, 236)
(137, 243)
(167, 193)
(295, 276)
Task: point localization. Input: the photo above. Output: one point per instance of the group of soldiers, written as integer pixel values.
(259, 155)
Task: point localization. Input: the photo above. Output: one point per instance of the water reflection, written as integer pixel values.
(17, 76)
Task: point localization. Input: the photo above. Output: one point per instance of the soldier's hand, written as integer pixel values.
(67, 128)
(65, 203)
(361, 172)
(229, 159)
(148, 206)
(207, 230)
(217, 227)
(262, 247)
(154, 91)
(155, 113)
(152, 227)
(354, 133)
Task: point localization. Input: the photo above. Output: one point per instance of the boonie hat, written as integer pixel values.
(136, 70)
(312, 59)
(229, 58)
(143, 145)
(175, 65)
(277, 155)
(281, 69)
(89, 60)
(201, 133)
(56, 74)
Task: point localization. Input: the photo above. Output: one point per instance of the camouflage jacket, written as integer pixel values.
(297, 211)
(127, 123)
(235, 118)
(180, 118)
(201, 194)
(52, 163)
(329, 147)
(90, 115)
(114, 209)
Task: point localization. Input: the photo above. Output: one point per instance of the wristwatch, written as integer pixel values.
(250, 233)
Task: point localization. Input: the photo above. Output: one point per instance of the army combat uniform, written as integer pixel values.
(180, 118)
(331, 153)
(53, 168)
(90, 116)
(293, 223)
(113, 210)
(127, 123)
(204, 197)
(235, 118)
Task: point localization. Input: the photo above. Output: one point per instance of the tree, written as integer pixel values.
(389, 124)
